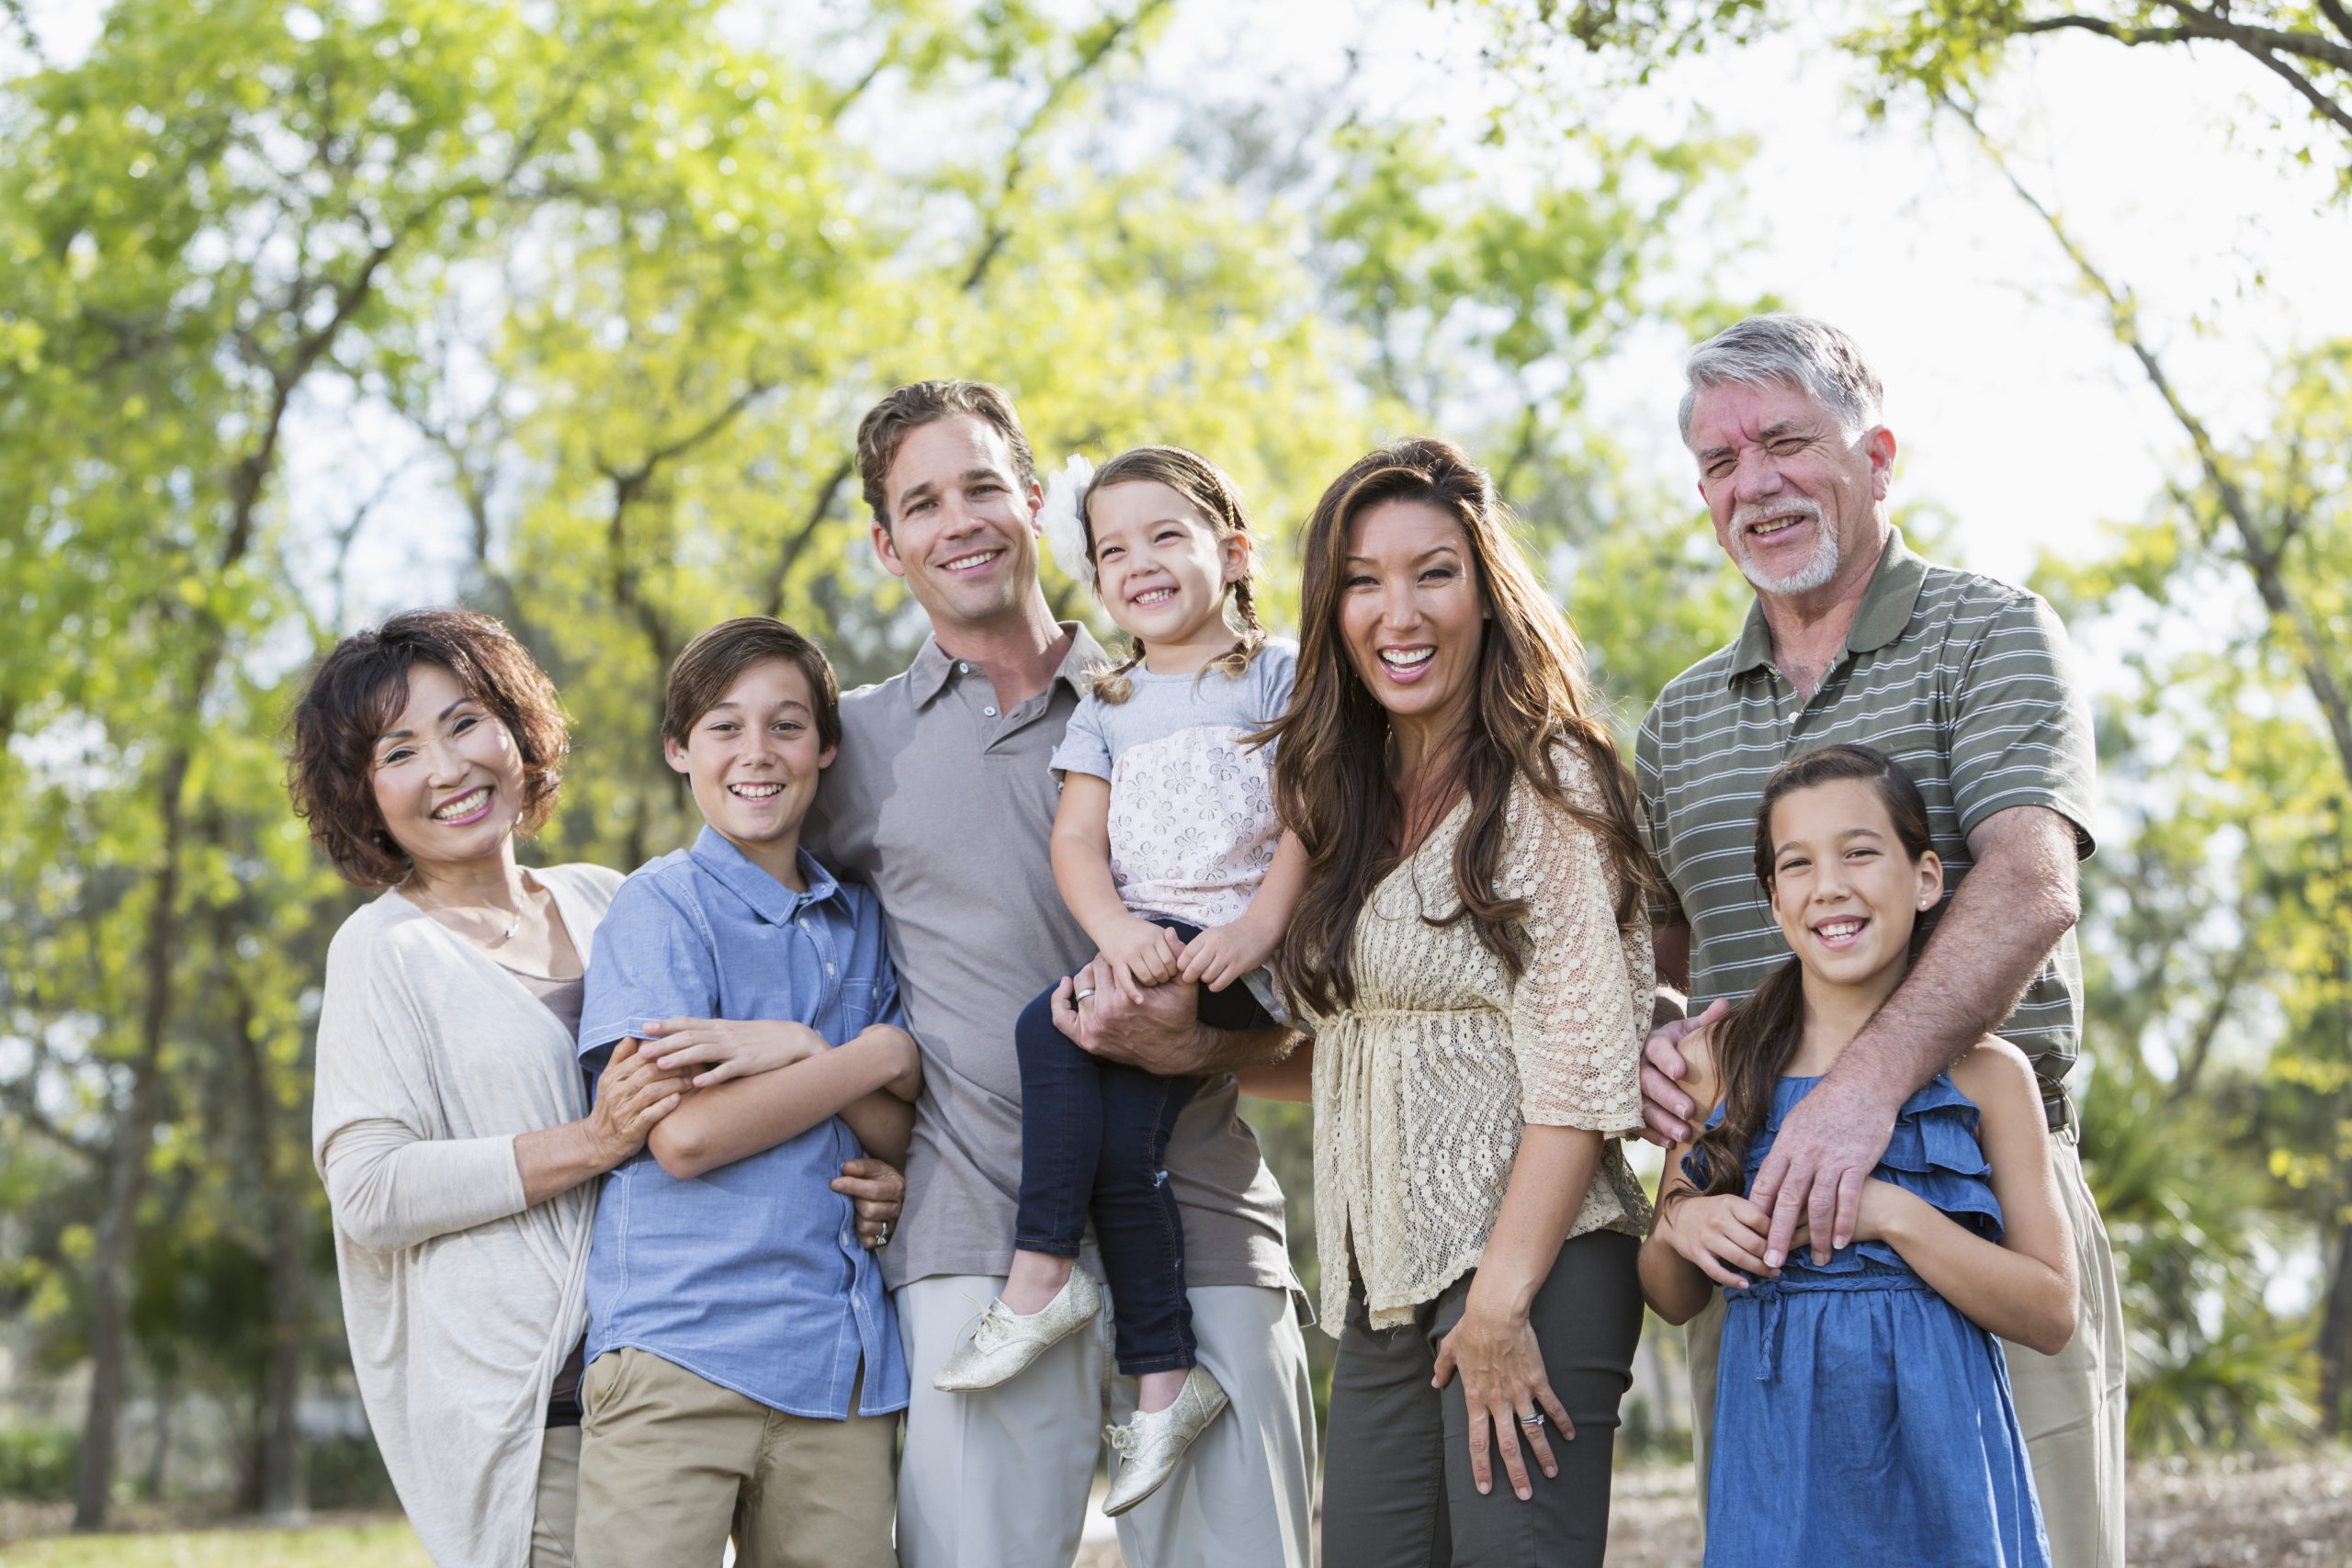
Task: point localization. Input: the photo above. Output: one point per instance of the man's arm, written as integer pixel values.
(1288, 1077)
(1162, 1031)
(2021, 895)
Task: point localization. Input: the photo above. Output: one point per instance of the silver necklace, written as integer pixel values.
(502, 938)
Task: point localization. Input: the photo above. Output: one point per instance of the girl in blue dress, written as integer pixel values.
(1862, 1407)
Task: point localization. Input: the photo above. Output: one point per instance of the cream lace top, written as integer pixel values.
(1422, 1085)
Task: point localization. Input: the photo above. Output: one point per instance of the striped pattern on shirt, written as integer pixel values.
(1965, 681)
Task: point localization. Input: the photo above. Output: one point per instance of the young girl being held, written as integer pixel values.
(1863, 1407)
(1168, 852)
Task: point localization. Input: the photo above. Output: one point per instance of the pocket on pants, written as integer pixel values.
(598, 1384)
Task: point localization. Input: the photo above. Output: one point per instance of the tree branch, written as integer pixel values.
(818, 510)
(1016, 162)
(2261, 554)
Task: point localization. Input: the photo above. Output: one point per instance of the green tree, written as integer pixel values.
(606, 287)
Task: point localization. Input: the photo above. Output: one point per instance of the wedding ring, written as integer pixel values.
(1081, 996)
(884, 1239)
(1532, 1421)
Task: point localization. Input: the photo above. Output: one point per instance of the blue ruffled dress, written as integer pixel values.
(1860, 1417)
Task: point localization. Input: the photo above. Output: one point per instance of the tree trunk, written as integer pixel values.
(127, 1180)
(159, 1455)
(2335, 1342)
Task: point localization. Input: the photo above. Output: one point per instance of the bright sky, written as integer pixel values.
(2013, 406)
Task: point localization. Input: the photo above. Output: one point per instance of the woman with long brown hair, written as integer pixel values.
(1472, 955)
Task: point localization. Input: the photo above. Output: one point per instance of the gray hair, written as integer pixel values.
(1787, 350)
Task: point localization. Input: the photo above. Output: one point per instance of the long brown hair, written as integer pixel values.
(1752, 1044)
(1334, 784)
(1210, 492)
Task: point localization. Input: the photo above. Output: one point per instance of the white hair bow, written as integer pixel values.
(1065, 534)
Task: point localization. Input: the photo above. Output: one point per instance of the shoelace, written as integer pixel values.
(1123, 1439)
(990, 1322)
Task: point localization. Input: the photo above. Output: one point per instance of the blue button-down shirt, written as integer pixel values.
(749, 1275)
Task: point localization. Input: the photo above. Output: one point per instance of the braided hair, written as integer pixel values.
(1209, 491)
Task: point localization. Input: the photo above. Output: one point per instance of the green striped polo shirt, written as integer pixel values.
(1965, 681)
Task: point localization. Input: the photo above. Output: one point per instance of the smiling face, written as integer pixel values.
(1796, 500)
(1410, 616)
(446, 774)
(1844, 889)
(753, 759)
(964, 527)
(1162, 571)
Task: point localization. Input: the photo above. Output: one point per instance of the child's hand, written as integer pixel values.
(731, 1048)
(1722, 1234)
(905, 1058)
(1222, 955)
(1142, 955)
(1884, 1207)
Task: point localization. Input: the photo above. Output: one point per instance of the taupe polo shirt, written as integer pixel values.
(943, 805)
(1965, 681)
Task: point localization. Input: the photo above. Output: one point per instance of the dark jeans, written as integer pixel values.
(1397, 1491)
(1093, 1136)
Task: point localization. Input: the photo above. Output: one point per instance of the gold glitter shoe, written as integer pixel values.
(1151, 1443)
(1004, 1342)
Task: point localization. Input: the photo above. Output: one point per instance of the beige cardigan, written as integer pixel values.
(460, 1303)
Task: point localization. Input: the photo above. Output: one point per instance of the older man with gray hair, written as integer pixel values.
(1965, 681)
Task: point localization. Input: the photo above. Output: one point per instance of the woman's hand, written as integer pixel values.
(1503, 1385)
(632, 1094)
(876, 1191)
(730, 1048)
(1142, 955)
(1222, 955)
(1720, 1235)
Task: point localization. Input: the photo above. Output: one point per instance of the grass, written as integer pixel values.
(387, 1544)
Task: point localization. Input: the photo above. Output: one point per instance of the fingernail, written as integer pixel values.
(1525, 1493)
(1550, 1473)
(1772, 1259)
(1483, 1489)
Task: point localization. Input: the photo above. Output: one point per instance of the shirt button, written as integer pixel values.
(961, 668)
(829, 968)
(988, 713)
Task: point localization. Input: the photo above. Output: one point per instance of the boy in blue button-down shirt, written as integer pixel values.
(744, 1368)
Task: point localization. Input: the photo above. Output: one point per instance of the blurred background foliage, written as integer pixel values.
(577, 305)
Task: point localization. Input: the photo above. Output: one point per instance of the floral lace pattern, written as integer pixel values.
(1422, 1085)
(1193, 826)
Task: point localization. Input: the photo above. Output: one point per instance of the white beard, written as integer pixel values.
(1816, 572)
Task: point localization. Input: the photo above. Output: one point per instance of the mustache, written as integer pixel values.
(1748, 518)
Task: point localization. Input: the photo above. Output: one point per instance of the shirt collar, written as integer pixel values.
(1885, 610)
(934, 667)
(769, 900)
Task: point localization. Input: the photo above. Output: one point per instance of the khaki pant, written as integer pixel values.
(998, 1479)
(559, 1499)
(2070, 1405)
(671, 1464)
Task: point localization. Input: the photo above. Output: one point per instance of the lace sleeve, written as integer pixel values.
(1575, 1021)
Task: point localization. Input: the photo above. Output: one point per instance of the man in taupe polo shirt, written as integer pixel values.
(942, 800)
(1965, 681)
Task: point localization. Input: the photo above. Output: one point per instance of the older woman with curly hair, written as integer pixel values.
(451, 1123)
(1472, 955)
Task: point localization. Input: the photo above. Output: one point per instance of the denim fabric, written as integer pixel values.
(1860, 1417)
(1094, 1139)
(751, 1276)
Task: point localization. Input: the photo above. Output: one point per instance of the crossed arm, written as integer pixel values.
(768, 1081)
(2009, 912)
